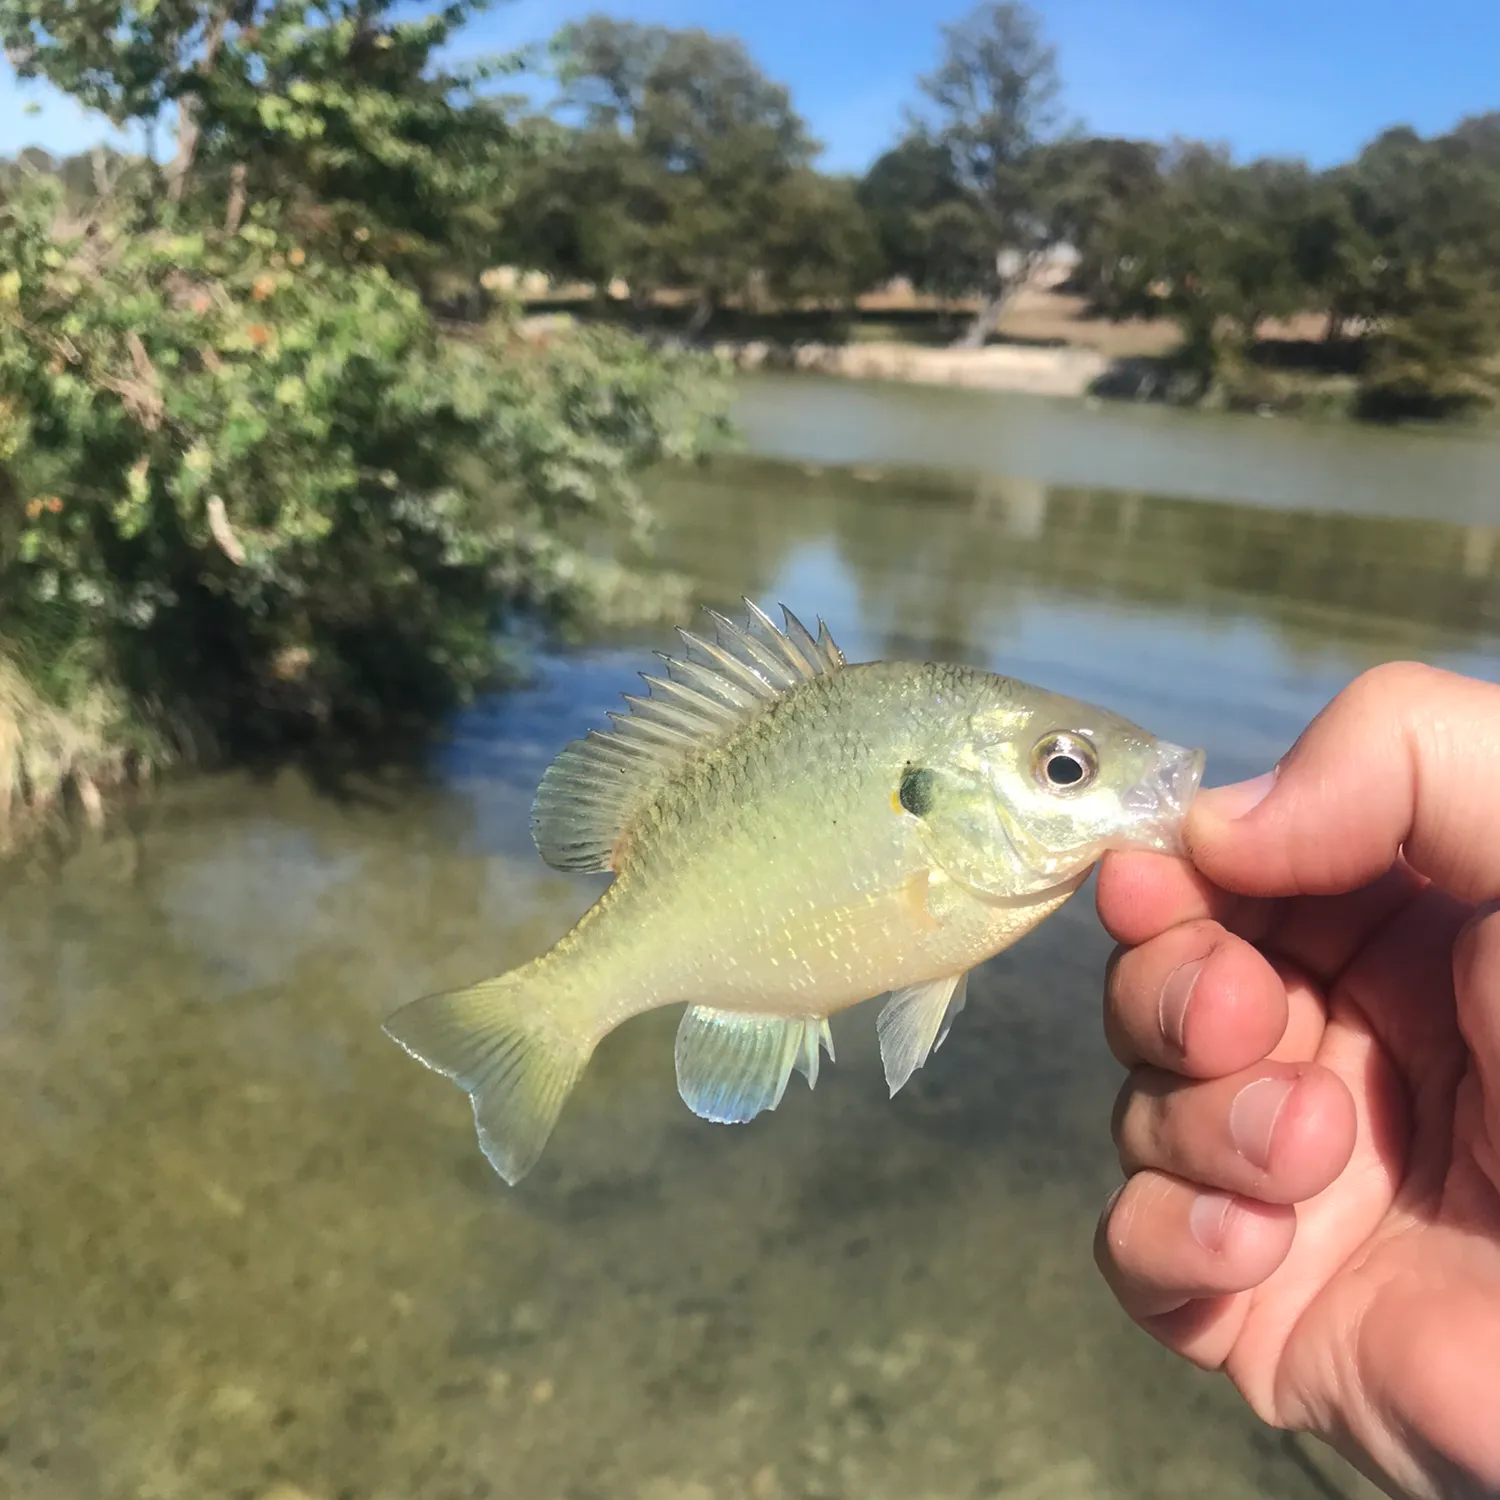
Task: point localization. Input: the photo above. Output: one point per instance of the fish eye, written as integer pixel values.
(1064, 763)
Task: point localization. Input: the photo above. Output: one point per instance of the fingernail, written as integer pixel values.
(1109, 1202)
(1207, 1217)
(1253, 1116)
(1172, 1004)
(1231, 802)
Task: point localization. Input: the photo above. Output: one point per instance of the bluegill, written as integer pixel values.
(790, 835)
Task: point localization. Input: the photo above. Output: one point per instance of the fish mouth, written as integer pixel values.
(1158, 803)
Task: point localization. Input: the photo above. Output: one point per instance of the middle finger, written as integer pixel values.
(1195, 1000)
(1279, 1132)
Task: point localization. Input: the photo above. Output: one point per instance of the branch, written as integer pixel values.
(102, 185)
(188, 128)
(223, 533)
(235, 209)
(143, 396)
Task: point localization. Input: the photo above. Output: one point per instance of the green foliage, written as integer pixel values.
(687, 167)
(247, 482)
(1430, 209)
(338, 115)
(1099, 184)
(1212, 247)
(241, 467)
(129, 61)
(670, 162)
(904, 193)
(350, 121)
(819, 245)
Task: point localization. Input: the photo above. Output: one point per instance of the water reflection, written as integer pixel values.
(248, 1244)
(1299, 466)
(1224, 624)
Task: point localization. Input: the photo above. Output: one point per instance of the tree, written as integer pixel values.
(250, 480)
(901, 193)
(819, 245)
(1212, 249)
(715, 175)
(338, 116)
(582, 209)
(1431, 209)
(1333, 255)
(1100, 182)
(995, 117)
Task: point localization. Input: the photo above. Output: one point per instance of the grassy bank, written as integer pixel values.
(58, 760)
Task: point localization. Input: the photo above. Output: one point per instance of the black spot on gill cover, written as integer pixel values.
(918, 789)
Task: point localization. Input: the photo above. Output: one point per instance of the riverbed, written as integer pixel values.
(251, 1250)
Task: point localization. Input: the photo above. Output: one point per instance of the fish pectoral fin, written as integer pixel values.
(732, 1065)
(955, 1005)
(914, 1023)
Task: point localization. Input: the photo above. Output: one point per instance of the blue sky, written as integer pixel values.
(1314, 78)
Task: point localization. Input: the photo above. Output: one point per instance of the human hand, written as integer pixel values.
(1310, 1131)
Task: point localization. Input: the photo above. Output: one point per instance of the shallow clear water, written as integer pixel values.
(248, 1244)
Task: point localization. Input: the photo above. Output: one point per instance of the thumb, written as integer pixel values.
(1405, 761)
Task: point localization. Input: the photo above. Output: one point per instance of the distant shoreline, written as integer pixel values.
(1048, 344)
(1067, 371)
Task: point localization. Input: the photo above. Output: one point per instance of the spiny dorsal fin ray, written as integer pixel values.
(595, 788)
(774, 669)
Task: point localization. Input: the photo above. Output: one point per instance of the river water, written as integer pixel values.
(249, 1249)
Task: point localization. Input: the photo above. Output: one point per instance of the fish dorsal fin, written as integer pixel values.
(596, 786)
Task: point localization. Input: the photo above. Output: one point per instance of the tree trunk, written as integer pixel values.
(702, 313)
(234, 211)
(188, 129)
(187, 146)
(641, 312)
(983, 323)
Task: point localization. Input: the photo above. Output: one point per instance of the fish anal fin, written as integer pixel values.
(733, 1065)
(914, 1022)
(594, 789)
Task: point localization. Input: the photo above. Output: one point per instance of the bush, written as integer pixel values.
(263, 493)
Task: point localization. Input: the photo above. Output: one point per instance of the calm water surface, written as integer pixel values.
(251, 1250)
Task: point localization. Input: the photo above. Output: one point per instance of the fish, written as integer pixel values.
(791, 834)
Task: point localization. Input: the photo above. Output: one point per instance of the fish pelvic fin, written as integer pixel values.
(914, 1023)
(516, 1061)
(731, 1066)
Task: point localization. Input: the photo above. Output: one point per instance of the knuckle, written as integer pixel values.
(1378, 687)
(1141, 1119)
(1120, 1110)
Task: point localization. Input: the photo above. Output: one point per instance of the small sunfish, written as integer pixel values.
(790, 835)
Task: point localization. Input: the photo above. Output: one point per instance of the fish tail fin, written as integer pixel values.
(514, 1054)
